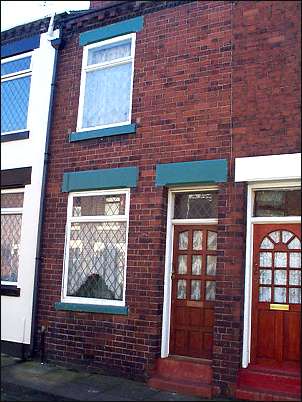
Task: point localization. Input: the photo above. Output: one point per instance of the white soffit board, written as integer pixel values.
(271, 167)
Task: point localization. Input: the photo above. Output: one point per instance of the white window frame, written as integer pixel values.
(13, 211)
(93, 67)
(112, 218)
(13, 76)
(252, 188)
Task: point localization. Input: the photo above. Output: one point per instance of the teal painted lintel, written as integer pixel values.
(102, 132)
(91, 308)
(195, 172)
(110, 31)
(100, 179)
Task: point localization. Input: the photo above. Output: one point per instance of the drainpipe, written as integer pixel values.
(56, 44)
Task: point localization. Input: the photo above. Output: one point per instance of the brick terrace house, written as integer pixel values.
(171, 240)
(28, 62)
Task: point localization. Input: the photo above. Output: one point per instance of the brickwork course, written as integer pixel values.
(213, 79)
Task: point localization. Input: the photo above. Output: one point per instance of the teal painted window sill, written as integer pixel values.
(102, 132)
(91, 308)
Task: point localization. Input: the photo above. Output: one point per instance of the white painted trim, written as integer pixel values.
(167, 280)
(87, 68)
(270, 167)
(249, 255)
(169, 256)
(212, 221)
(114, 218)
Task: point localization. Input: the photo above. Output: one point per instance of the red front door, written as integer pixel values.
(193, 291)
(276, 296)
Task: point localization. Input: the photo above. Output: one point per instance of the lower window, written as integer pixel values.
(11, 222)
(96, 247)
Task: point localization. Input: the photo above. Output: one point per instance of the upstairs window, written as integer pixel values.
(15, 88)
(106, 83)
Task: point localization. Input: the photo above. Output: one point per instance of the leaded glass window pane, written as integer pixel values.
(99, 205)
(183, 241)
(280, 277)
(265, 259)
(211, 264)
(265, 277)
(286, 236)
(295, 260)
(10, 246)
(295, 295)
(12, 200)
(182, 264)
(15, 66)
(294, 244)
(181, 289)
(212, 240)
(197, 240)
(281, 202)
(264, 294)
(195, 205)
(280, 295)
(266, 243)
(196, 264)
(96, 260)
(275, 236)
(295, 277)
(280, 260)
(195, 289)
(210, 290)
(14, 104)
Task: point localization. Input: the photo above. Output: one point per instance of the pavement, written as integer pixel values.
(32, 380)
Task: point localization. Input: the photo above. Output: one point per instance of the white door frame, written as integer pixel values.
(169, 256)
(246, 351)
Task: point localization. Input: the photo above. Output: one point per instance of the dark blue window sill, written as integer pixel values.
(91, 308)
(15, 136)
(102, 132)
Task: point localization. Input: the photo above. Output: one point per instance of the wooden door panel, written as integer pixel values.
(209, 317)
(192, 314)
(266, 327)
(292, 336)
(195, 317)
(276, 300)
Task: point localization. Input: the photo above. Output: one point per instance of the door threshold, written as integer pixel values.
(191, 359)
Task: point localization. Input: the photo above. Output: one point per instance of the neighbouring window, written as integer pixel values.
(96, 246)
(11, 222)
(15, 88)
(106, 84)
(195, 205)
(279, 202)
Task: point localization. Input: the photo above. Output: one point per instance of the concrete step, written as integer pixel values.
(255, 383)
(189, 376)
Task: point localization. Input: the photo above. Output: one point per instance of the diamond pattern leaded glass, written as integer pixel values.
(12, 200)
(99, 205)
(14, 104)
(10, 245)
(195, 205)
(97, 260)
(15, 66)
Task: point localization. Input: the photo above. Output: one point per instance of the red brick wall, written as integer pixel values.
(266, 77)
(182, 104)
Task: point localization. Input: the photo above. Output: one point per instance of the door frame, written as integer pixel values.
(165, 339)
(250, 221)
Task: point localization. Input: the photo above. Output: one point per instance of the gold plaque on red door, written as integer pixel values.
(283, 307)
